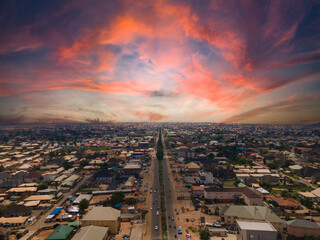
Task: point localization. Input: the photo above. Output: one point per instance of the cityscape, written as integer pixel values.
(160, 120)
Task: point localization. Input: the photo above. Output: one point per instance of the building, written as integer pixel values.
(81, 197)
(91, 233)
(103, 175)
(206, 178)
(60, 233)
(104, 217)
(14, 210)
(229, 215)
(301, 228)
(132, 169)
(251, 230)
(192, 167)
(233, 195)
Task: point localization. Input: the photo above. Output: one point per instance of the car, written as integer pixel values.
(172, 218)
(157, 213)
(192, 220)
(169, 226)
(180, 230)
(216, 224)
(156, 228)
(154, 191)
(168, 217)
(174, 227)
(156, 200)
(151, 208)
(187, 219)
(175, 236)
(188, 237)
(151, 191)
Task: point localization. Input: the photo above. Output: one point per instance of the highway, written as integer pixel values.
(169, 197)
(155, 219)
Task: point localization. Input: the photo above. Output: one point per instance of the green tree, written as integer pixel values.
(131, 201)
(83, 204)
(67, 165)
(117, 197)
(43, 185)
(204, 234)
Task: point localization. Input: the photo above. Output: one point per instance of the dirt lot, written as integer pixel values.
(43, 235)
(124, 228)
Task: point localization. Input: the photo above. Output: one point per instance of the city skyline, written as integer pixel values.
(193, 61)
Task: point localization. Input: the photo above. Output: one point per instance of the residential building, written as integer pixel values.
(252, 230)
(302, 228)
(104, 217)
(91, 233)
(229, 215)
(233, 195)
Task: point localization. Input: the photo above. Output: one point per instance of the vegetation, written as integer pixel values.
(43, 185)
(162, 198)
(204, 234)
(83, 204)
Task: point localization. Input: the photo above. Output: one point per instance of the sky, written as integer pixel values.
(167, 60)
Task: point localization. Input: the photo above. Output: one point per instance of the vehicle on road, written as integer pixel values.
(180, 230)
(172, 218)
(156, 228)
(157, 213)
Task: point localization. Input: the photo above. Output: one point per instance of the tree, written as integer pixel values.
(204, 234)
(131, 201)
(83, 204)
(67, 165)
(117, 197)
(236, 182)
(43, 185)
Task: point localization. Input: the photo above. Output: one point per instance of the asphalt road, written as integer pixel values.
(168, 188)
(155, 219)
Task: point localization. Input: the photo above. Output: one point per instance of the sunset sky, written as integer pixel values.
(218, 61)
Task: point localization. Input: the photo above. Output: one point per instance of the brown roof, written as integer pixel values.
(245, 190)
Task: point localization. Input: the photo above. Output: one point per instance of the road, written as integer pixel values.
(169, 197)
(41, 220)
(155, 219)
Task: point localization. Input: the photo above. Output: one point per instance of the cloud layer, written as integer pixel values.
(221, 61)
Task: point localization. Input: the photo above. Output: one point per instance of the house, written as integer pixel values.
(103, 175)
(4, 233)
(302, 228)
(103, 216)
(206, 178)
(316, 193)
(192, 167)
(14, 210)
(60, 233)
(229, 215)
(288, 203)
(81, 197)
(308, 195)
(132, 169)
(237, 194)
(91, 232)
(33, 177)
(252, 230)
(4, 176)
(185, 152)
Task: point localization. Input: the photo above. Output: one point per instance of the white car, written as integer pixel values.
(156, 228)
(188, 237)
(157, 213)
(151, 208)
